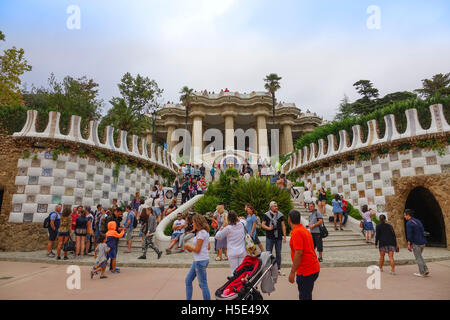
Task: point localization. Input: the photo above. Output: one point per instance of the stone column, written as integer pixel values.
(197, 137)
(261, 129)
(229, 129)
(170, 130)
(286, 142)
(149, 138)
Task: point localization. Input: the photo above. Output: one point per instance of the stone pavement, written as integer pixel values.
(332, 257)
(24, 280)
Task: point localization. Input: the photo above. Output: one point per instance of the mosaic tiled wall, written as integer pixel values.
(42, 183)
(368, 182)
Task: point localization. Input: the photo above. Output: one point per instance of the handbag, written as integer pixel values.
(323, 231)
(249, 244)
(69, 245)
(361, 225)
(214, 224)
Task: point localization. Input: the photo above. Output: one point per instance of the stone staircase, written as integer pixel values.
(136, 245)
(337, 239)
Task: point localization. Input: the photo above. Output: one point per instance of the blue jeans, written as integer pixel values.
(198, 269)
(269, 247)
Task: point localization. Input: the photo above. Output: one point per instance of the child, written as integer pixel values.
(112, 237)
(100, 253)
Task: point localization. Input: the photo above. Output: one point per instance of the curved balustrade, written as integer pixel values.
(307, 155)
(52, 131)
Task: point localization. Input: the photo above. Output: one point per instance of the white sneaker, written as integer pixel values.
(419, 275)
(392, 273)
(281, 273)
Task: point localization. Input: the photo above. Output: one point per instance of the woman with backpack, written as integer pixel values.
(252, 225)
(367, 215)
(64, 232)
(386, 241)
(81, 226)
(337, 211)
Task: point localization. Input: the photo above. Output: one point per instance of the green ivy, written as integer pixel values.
(433, 144)
(364, 156)
(26, 154)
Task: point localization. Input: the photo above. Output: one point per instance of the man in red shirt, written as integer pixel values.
(305, 265)
(344, 209)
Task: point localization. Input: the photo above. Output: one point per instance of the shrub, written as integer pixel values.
(207, 203)
(259, 193)
(12, 118)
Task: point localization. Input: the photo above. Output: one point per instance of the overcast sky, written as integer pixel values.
(319, 48)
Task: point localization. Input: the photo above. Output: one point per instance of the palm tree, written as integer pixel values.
(272, 85)
(439, 83)
(185, 98)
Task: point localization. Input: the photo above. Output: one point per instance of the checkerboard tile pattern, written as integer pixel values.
(369, 182)
(71, 180)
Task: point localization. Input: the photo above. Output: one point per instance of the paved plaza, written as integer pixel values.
(20, 280)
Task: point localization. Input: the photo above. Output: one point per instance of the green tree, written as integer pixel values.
(69, 97)
(345, 109)
(272, 84)
(130, 112)
(12, 65)
(438, 84)
(367, 103)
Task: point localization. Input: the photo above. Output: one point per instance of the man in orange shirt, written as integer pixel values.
(305, 265)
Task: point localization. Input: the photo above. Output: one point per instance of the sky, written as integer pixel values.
(319, 48)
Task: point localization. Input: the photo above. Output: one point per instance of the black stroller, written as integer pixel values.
(243, 285)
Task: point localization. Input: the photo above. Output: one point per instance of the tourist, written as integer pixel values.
(148, 229)
(100, 254)
(221, 218)
(181, 173)
(337, 211)
(80, 233)
(115, 216)
(202, 170)
(306, 197)
(281, 182)
(200, 248)
(251, 225)
(135, 204)
(129, 226)
(416, 241)
(89, 232)
(63, 232)
(367, 215)
(74, 216)
(97, 215)
(103, 226)
(199, 187)
(114, 204)
(172, 207)
(161, 198)
(386, 240)
(185, 191)
(203, 184)
(192, 188)
(247, 175)
(176, 188)
(234, 232)
(178, 230)
(322, 200)
(305, 265)
(315, 220)
(112, 240)
(212, 173)
(344, 210)
(53, 227)
(189, 233)
(275, 228)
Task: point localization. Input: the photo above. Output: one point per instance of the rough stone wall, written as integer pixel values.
(14, 236)
(438, 184)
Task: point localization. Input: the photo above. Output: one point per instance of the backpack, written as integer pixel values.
(103, 225)
(135, 222)
(46, 223)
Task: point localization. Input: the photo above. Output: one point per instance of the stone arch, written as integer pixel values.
(437, 184)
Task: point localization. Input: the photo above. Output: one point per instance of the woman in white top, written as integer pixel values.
(306, 197)
(235, 234)
(200, 247)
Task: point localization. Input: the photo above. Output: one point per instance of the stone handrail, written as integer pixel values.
(159, 157)
(307, 156)
(159, 233)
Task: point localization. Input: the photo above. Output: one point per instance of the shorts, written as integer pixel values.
(102, 264)
(52, 234)
(112, 254)
(129, 234)
(388, 249)
(157, 211)
(256, 239)
(175, 236)
(368, 225)
(63, 234)
(317, 240)
(337, 213)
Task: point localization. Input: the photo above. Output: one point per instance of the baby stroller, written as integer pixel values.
(243, 285)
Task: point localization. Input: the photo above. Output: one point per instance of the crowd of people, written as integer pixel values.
(99, 231)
